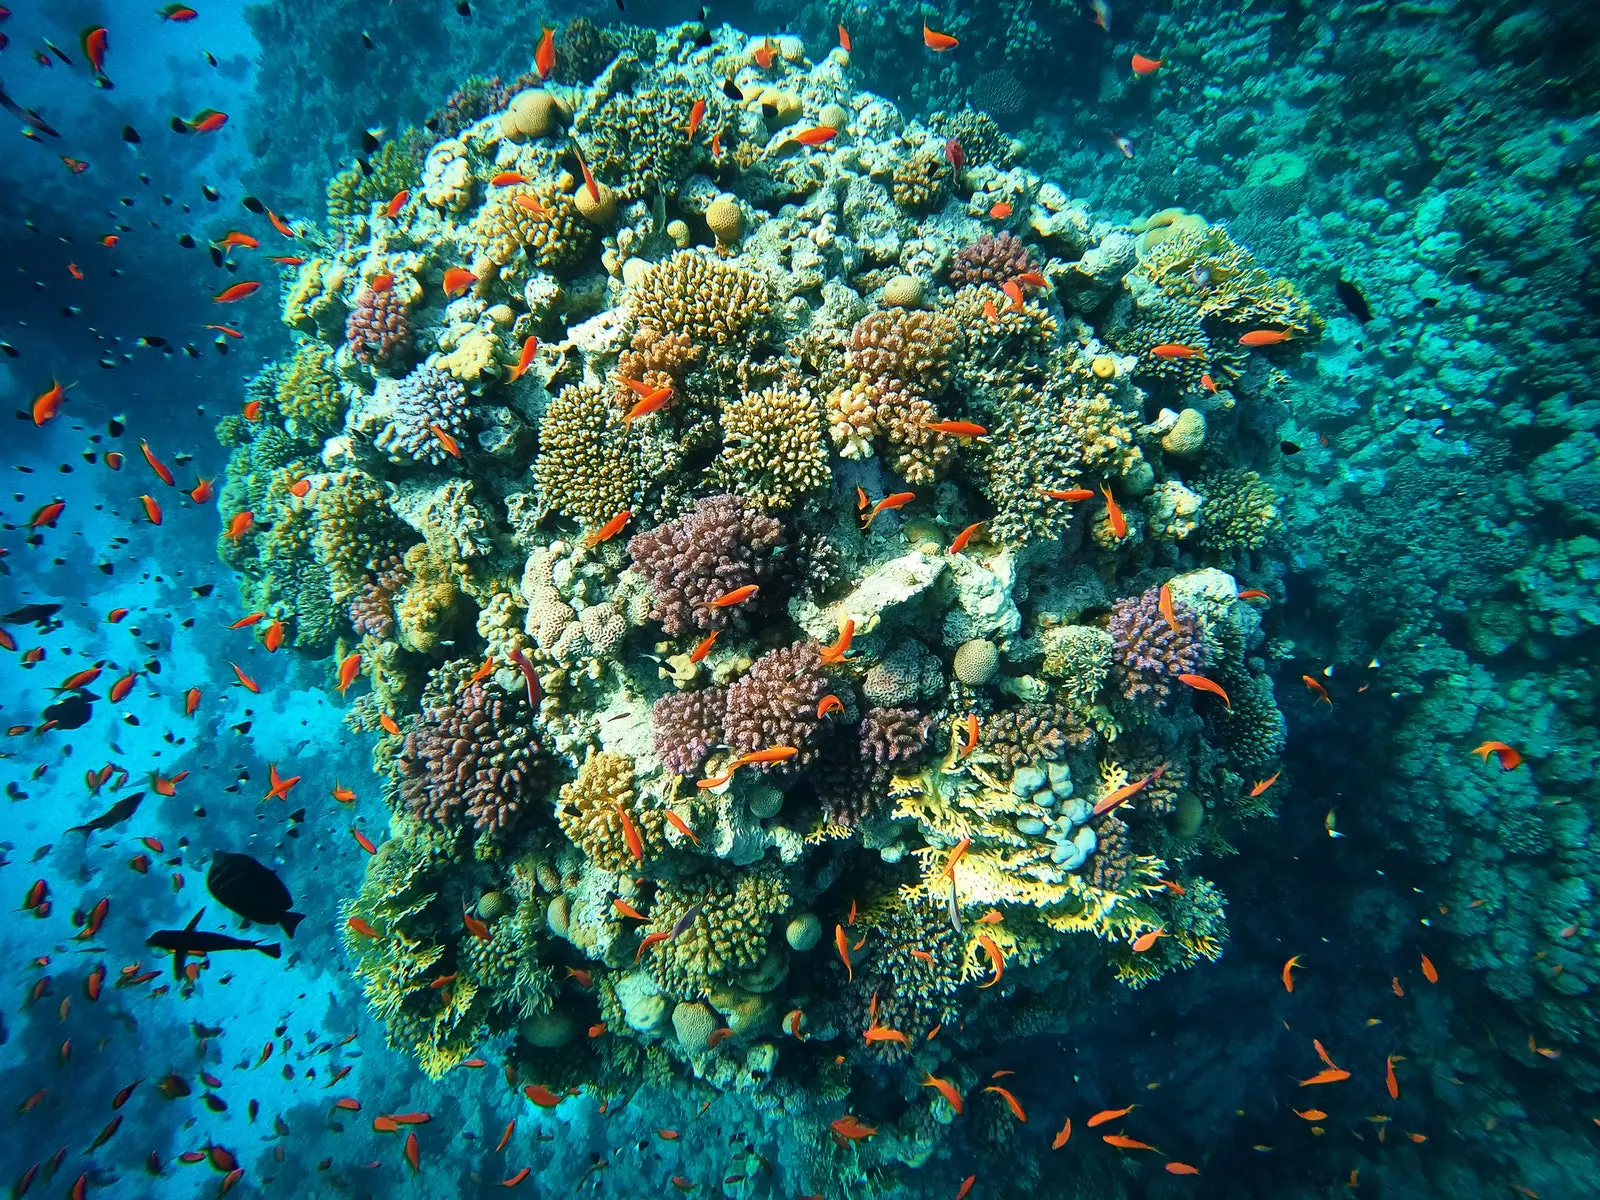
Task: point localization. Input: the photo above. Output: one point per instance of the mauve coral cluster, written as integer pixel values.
(1112, 861)
(687, 727)
(890, 735)
(1149, 651)
(425, 398)
(471, 757)
(379, 327)
(372, 607)
(722, 545)
(991, 259)
(774, 703)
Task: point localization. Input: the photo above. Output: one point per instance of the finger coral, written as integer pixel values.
(588, 467)
(773, 451)
(691, 293)
(774, 703)
(425, 400)
(379, 327)
(995, 258)
(722, 545)
(1150, 652)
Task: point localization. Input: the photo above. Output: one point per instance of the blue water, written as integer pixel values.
(1418, 177)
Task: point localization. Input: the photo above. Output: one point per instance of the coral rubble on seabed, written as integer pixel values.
(583, 596)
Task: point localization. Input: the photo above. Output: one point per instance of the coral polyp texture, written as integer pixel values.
(728, 538)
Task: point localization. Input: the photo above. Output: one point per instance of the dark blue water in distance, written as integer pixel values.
(826, 600)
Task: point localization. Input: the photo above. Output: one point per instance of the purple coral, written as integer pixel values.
(722, 545)
(424, 400)
(688, 726)
(775, 704)
(1149, 651)
(379, 327)
(991, 259)
(372, 608)
(893, 734)
(471, 756)
(1113, 859)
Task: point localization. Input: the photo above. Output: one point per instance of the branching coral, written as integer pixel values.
(588, 465)
(1239, 510)
(691, 293)
(921, 182)
(688, 727)
(726, 919)
(1202, 266)
(773, 451)
(722, 545)
(425, 400)
(774, 703)
(870, 410)
(993, 259)
(539, 221)
(471, 756)
(1151, 651)
(379, 327)
(636, 142)
(599, 807)
(905, 345)
(307, 393)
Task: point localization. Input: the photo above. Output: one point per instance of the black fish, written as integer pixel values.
(27, 116)
(730, 89)
(130, 135)
(190, 940)
(252, 890)
(71, 712)
(115, 815)
(1352, 298)
(366, 39)
(31, 614)
(1289, 447)
(254, 205)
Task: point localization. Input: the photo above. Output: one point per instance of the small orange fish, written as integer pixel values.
(75, 271)
(348, 670)
(237, 291)
(413, 1153)
(382, 283)
(1201, 684)
(588, 176)
(716, 145)
(971, 742)
(1070, 494)
(1288, 973)
(990, 313)
(704, 647)
(48, 403)
(853, 1130)
(879, 1033)
(363, 840)
(996, 959)
(449, 444)
(203, 490)
(937, 42)
(152, 510)
(278, 222)
(1264, 784)
(650, 939)
(829, 703)
(1509, 758)
(1062, 1137)
(1011, 1102)
(299, 488)
(163, 472)
(654, 402)
(240, 524)
(358, 925)
(1125, 1143)
(1310, 1114)
(1119, 523)
(529, 345)
(287, 260)
(738, 596)
(1313, 685)
(584, 979)
(1110, 1114)
(820, 135)
(1013, 291)
(895, 501)
(1265, 337)
(1429, 971)
(610, 530)
(1183, 1168)
(1000, 210)
(960, 429)
(836, 652)
(1167, 610)
(1208, 383)
(396, 203)
(964, 538)
(533, 204)
(544, 55)
(765, 54)
(1389, 1079)
(1146, 940)
(922, 956)
(1146, 66)
(630, 833)
(697, 114)
(1127, 791)
(343, 794)
(680, 825)
(842, 944)
(626, 909)
(475, 926)
(1330, 1075)
(458, 280)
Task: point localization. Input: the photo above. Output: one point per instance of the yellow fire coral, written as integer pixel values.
(1203, 266)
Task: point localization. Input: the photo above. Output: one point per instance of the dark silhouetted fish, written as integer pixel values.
(31, 614)
(72, 712)
(252, 890)
(115, 815)
(190, 940)
(1351, 297)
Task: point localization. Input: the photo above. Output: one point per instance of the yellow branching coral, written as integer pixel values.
(921, 182)
(427, 608)
(772, 446)
(542, 221)
(588, 465)
(909, 345)
(727, 920)
(885, 409)
(353, 526)
(692, 293)
(1201, 265)
(1013, 340)
(591, 810)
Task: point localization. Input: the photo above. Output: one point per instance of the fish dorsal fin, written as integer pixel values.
(195, 920)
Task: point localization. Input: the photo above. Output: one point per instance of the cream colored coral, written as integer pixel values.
(773, 450)
(532, 114)
(1174, 511)
(1187, 435)
(725, 219)
(852, 419)
(597, 210)
(693, 293)
(447, 177)
(472, 354)
(540, 220)
(590, 812)
(903, 291)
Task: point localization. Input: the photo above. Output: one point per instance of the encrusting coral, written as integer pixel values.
(817, 531)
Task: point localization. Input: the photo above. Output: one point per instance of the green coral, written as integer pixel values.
(1204, 268)
(354, 527)
(733, 919)
(636, 142)
(506, 966)
(393, 168)
(915, 993)
(307, 394)
(1239, 512)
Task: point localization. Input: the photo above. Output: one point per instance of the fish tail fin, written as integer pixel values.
(270, 949)
(291, 922)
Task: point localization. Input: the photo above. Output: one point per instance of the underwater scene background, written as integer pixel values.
(824, 600)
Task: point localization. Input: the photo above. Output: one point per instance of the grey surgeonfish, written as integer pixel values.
(192, 940)
(252, 890)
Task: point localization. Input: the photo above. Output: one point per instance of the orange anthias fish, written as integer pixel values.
(765, 54)
(964, 538)
(630, 833)
(1510, 759)
(654, 402)
(879, 1033)
(956, 855)
(844, 39)
(1167, 611)
(997, 959)
(348, 670)
(697, 113)
(1264, 784)
(946, 1089)
(704, 647)
(829, 703)
(237, 291)
(1110, 1114)
(529, 345)
(842, 944)
(960, 429)
(448, 443)
(1127, 791)
(1330, 1075)
(544, 55)
(152, 510)
(609, 530)
(1265, 337)
(819, 135)
(1126, 1143)
(48, 403)
(163, 472)
(240, 524)
(1013, 291)
(848, 1127)
(1288, 973)
(1000, 210)
(588, 177)
(202, 491)
(235, 238)
(396, 203)
(1389, 1080)
(1146, 940)
(1310, 1114)
(1201, 684)
(1146, 66)
(1063, 1137)
(971, 742)
(1011, 1102)
(1070, 494)
(1119, 523)
(458, 280)
(1313, 685)
(1429, 971)
(897, 500)
(738, 596)
(836, 652)
(937, 42)
(1176, 350)
(680, 825)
